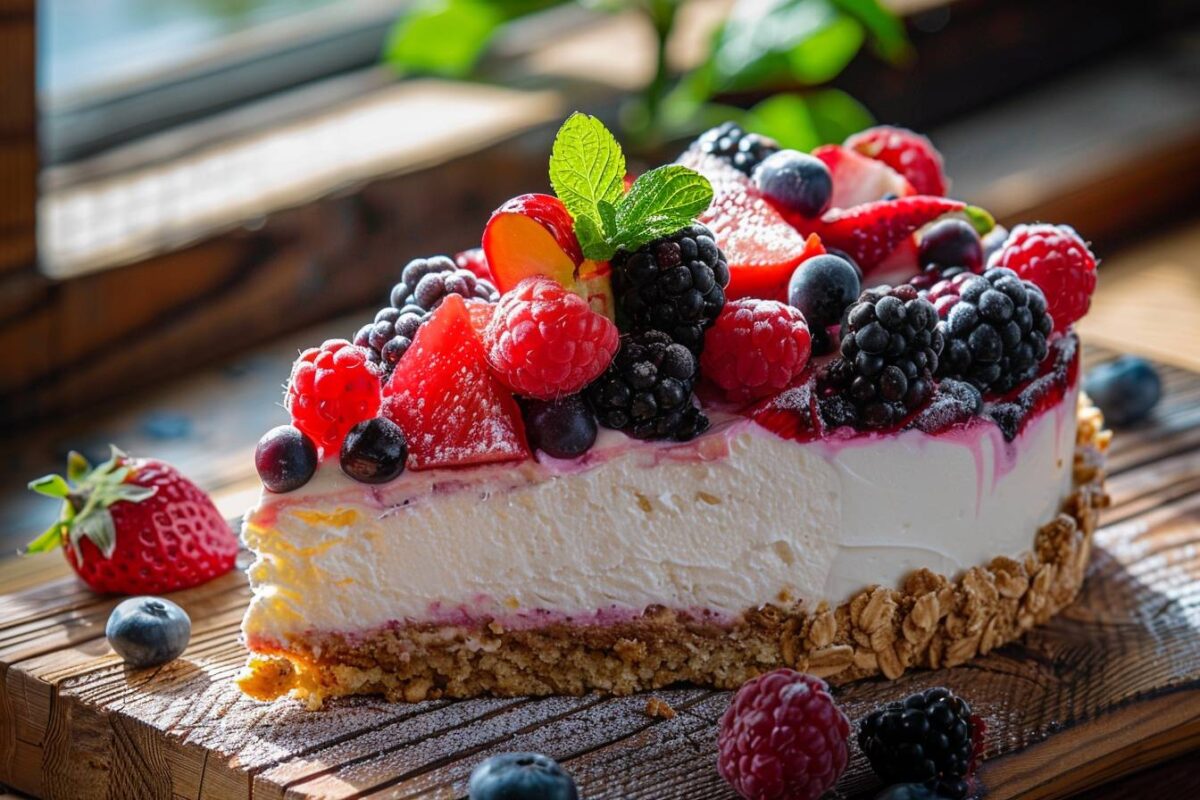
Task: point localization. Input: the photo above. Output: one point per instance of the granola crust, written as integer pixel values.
(931, 621)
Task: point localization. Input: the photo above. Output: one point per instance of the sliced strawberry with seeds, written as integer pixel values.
(909, 153)
(858, 179)
(452, 410)
(869, 233)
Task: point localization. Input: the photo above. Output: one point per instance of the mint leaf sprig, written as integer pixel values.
(587, 171)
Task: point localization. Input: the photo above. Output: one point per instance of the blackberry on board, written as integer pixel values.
(647, 389)
(889, 352)
(927, 738)
(743, 150)
(995, 327)
(675, 284)
(424, 284)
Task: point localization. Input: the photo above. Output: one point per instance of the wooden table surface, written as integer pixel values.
(1136, 627)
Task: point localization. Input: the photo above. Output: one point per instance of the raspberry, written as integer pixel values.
(755, 349)
(930, 738)
(332, 387)
(674, 284)
(910, 154)
(544, 342)
(782, 737)
(452, 409)
(744, 151)
(1058, 260)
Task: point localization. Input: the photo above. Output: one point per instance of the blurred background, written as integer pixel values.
(192, 190)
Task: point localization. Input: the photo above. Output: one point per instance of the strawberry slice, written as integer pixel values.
(909, 153)
(858, 179)
(870, 232)
(761, 248)
(451, 408)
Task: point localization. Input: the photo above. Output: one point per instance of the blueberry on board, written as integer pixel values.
(374, 451)
(148, 631)
(285, 459)
(521, 776)
(796, 181)
(822, 287)
(1126, 389)
(562, 428)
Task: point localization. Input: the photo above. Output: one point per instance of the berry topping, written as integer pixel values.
(544, 341)
(890, 349)
(148, 631)
(332, 388)
(374, 451)
(756, 349)
(674, 284)
(782, 737)
(871, 232)
(1126, 389)
(562, 428)
(994, 326)
(926, 738)
(521, 776)
(761, 248)
(647, 389)
(476, 261)
(1059, 262)
(285, 459)
(822, 287)
(452, 410)
(950, 243)
(910, 154)
(858, 179)
(741, 150)
(135, 526)
(424, 284)
(795, 183)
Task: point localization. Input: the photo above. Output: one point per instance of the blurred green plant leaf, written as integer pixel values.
(888, 38)
(804, 121)
(442, 37)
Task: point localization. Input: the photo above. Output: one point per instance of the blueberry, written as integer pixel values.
(563, 428)
(992, 241)
(951, 243)
(521, 776)
(285, 459)
(374, 451)
(1126, 389)
(148, 631)
(796, 181)
(908, 791)
(822, 288)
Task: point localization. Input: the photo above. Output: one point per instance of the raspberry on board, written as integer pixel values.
(332, 388)
(782, 737)
(545, 342)
(1058, 261)
(756, 349)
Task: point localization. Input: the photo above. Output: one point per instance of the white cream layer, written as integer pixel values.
(736, 520)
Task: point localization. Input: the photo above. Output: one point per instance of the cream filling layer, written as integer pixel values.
(736, 520)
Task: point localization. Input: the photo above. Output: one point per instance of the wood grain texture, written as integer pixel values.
(1108, 687)
(18, 146)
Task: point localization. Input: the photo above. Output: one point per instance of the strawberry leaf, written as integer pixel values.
(77, 467)
(98, 526)
(50, 539)
(51, 486)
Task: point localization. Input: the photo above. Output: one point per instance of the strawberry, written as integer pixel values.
(135, 526)
(871, 232)
(761, 248)
(452, 409)
(910, 154)
(858, 179)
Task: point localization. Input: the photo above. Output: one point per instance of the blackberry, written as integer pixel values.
(927, 738)
(424, 284)
(675, 284)
(743, 150)
(889, 352)
(647, 389)
(995, 327)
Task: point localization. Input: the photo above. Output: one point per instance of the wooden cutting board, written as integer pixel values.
(1110, 686)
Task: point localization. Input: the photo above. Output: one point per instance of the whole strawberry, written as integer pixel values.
(782, 738)
(1058, 260)
(135, 526)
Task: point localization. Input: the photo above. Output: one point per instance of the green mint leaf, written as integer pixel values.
(51, 486)
(592, 241)
(586, 167)
(980, 219)
(661, 202)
